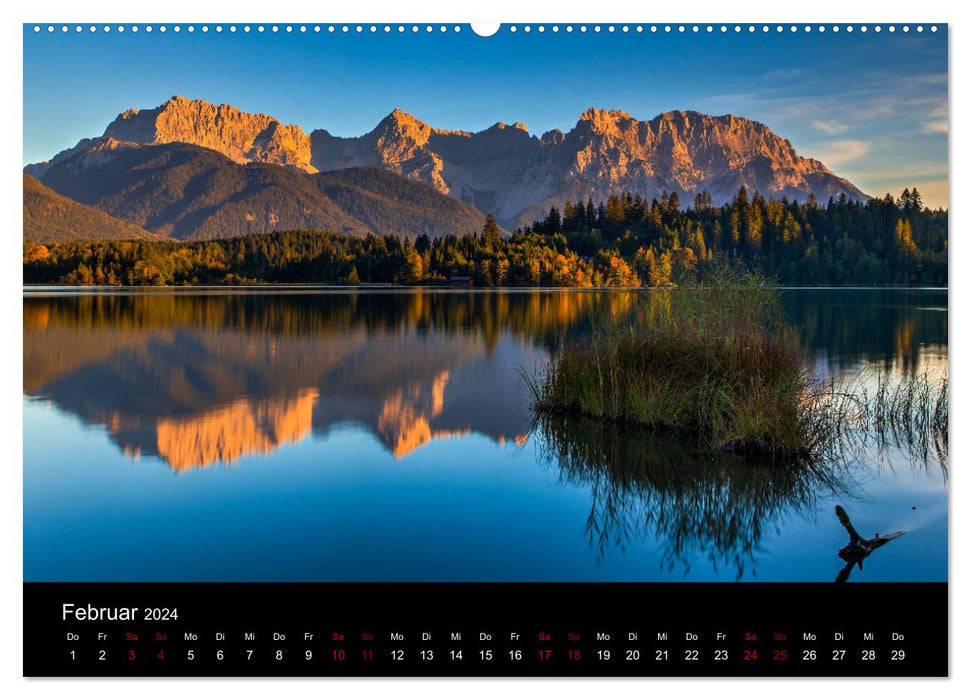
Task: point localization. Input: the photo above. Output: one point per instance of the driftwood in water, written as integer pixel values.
(858, 548)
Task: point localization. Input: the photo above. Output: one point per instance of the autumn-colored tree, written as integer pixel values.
(655, 270)
(413, 269)
(620, 274)
(843, 242)
(502, 272)
(683, 262)
(903, 237)
(491, 238)
(35, 252)
(735, 228)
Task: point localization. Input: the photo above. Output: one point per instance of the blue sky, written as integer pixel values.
(873, 107)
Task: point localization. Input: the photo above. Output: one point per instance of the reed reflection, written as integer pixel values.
(693, 502)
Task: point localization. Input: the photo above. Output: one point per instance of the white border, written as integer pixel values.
(438, 11)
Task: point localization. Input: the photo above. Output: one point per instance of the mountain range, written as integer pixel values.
(191, 169)
(188, 192)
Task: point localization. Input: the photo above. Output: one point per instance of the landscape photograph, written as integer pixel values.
(410, 304)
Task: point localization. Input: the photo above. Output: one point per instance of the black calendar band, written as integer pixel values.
(503, 629)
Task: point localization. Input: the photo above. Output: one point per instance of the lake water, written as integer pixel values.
(334, 435)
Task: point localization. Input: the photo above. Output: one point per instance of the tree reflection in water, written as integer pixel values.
(692, 500)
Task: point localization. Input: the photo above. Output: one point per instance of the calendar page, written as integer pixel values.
(511, 350)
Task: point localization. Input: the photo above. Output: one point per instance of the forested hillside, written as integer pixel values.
(624, 241)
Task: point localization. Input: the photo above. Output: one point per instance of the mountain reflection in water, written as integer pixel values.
(197, 380)
(296, 385)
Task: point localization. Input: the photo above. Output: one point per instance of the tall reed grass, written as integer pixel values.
(881, 411)
(716, 359)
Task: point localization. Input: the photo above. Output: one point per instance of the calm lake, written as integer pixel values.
(334, 435)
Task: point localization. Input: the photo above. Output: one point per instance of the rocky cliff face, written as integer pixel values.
(242, 137)
(504, 169)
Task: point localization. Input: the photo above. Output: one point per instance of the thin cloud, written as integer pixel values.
(842, 151)
(894, 124)
(937, 122)
(928, 170)
(875, 98)
(830, 126)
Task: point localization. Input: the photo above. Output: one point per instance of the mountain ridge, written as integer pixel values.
(504, 169)
(190, 192)
(50, 217)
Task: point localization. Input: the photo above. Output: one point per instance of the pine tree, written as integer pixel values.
(753, 228)
(916, 201)
(905, 199)
(741, 199)
(703, 202)
(491, 237)
(614, 214)
(696, 243)
(591, 214)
